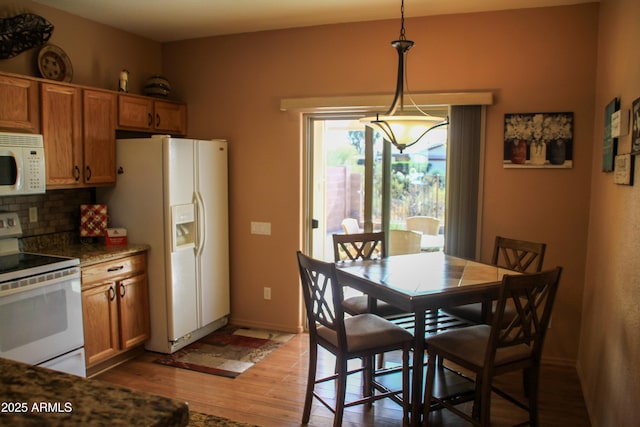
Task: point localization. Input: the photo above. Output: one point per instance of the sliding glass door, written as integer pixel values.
(352, 174)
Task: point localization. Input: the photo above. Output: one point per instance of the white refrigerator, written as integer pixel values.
(172, 194)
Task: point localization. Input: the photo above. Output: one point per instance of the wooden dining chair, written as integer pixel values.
(347, 337)
(492, 350)
(362, 246)
(516, 255)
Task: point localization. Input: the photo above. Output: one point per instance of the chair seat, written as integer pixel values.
(367, 332)
(359, 305)
(470, 344)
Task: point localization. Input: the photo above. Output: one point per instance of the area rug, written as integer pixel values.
(227, 352)
(197, 419)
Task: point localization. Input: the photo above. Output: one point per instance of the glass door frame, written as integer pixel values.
(310, 153)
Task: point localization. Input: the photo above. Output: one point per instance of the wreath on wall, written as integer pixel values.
(22, 32)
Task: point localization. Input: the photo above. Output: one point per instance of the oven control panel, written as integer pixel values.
(10, 225)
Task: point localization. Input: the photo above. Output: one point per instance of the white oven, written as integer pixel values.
(22, 166)
(40, 307)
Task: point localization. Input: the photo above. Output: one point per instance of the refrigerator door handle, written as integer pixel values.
(200, 223)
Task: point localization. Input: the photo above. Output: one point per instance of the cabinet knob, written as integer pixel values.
(76, 173)
(157, 120)
(112, 293)
(150, 119)
(123, 290)
(88, 173)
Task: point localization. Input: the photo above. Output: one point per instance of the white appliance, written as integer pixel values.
(22, 167)
(172, 194)
(40, 305)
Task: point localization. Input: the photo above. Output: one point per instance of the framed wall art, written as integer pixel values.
(635, 127)
(610, 143)
(623, 174)
(538, 140)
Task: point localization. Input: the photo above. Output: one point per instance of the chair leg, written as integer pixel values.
(367, 377)
(485, 403)
(311, 380)
(525, 381)
(341, 391)
(532, 393)
(428, 387)
(406, 395)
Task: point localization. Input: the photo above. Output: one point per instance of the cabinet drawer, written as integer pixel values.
(111, 270)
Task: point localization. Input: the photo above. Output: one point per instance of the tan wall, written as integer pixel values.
(610, 337)
(533, 60)
(97, 53)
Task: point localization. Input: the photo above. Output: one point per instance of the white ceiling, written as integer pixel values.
(171, 20)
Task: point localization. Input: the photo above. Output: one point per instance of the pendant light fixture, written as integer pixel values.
(399, 127)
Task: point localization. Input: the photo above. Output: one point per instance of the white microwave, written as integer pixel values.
(22, 167)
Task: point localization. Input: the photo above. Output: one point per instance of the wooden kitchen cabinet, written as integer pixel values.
(78, 128)
(115, 308)
(99, 136)
(19, 108)
(147, 114)
(62, 133)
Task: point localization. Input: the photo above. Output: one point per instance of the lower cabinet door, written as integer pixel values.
(100, 316)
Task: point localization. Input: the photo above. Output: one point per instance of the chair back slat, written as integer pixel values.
(360, 246)
(323, 295)
(518, 255)
(532, 295)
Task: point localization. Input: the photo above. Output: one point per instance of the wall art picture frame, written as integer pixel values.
(635, 127)
(538, 140)
(610, 144)
(623, 173)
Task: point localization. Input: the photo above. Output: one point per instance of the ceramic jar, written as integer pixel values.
(157, 85)
(519, 152)
(538, 153)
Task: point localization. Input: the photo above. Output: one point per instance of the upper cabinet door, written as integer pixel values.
(141, 113)
(170, 117)
(99, 118)
(135, 112)
(62, 133)
(19, 105)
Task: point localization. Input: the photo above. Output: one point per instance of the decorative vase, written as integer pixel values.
(157, 85)
(519, 152)
(538, 153)
(557, 152)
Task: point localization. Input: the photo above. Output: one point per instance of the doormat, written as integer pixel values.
(227, 352)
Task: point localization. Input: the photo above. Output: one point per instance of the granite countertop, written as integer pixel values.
(89, 252)
(35, 396)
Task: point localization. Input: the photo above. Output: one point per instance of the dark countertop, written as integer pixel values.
(34, 396)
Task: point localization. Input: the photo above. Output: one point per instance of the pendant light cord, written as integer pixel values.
(402, 34)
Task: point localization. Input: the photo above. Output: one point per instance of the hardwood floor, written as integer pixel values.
(271, 394)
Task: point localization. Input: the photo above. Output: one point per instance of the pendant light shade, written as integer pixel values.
(401, 128)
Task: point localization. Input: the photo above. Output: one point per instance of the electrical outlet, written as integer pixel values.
(267, 293)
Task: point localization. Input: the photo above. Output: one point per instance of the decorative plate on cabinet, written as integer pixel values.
(54, 64)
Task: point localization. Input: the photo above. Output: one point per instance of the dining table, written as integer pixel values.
(420, 283)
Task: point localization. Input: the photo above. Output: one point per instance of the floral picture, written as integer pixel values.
(538, 140)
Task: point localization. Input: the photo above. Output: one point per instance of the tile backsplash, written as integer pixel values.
(58, 210)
